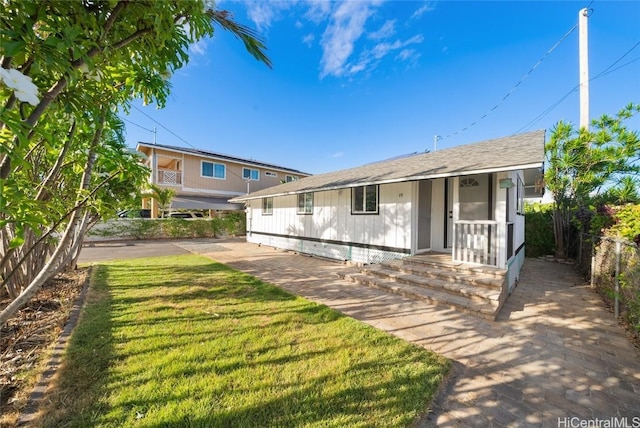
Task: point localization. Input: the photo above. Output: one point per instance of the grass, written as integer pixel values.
(184, 341)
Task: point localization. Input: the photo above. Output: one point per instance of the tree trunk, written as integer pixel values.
(558, 233)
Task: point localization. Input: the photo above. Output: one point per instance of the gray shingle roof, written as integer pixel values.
(501, 154)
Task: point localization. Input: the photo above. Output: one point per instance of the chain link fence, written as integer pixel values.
(613, 265)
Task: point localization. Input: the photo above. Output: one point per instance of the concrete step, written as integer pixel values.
(468, 290)
(485, 308)
(456, 267)
(479, 279)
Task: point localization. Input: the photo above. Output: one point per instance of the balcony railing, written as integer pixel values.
(483, 242)
(169, 176)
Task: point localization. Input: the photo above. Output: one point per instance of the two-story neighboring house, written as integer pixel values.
(207, 180)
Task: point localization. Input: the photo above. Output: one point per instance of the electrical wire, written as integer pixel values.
(165, 128)
(513, 89)
(178, 137)
(603, 73)
(135, 124)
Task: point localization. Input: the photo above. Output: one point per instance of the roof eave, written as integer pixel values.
(390, 181)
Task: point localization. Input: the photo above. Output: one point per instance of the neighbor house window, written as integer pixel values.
(364, 200)
(214, 170)
(289, 178)
(305, 203)
(250, 174)
(520, 200)
(270, 174)
(267, 206)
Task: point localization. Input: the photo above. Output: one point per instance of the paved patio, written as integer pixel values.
(554, 353)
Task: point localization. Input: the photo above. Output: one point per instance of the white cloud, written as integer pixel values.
(387, 30)
(263, 13)
(308, 39)
(319, 10)
(408, 55)
(427, 7)
(340, 30)
(369, 59)
(346, 27)
(338, 154)
(199, 47)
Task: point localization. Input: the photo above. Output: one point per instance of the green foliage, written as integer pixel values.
(627, 223)
(625, 192)
(538, 233)
(628, 278)
(583, 162)
(140, 228)
(234, 223)
(63, 156)
(184, 341)
(163, 196)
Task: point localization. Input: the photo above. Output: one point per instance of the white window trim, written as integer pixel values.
(293, 178)
(270, 174)
(264, 206)
(244, 168)
(214, 170)
(364, 201)
(304, 210)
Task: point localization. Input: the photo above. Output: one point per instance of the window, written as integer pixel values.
(469, 182)
(250, 174)
(289, 178)
(305, 203)
(267, 206)
(364, 200)
(270, 174)
(520, 201)
(215, 170)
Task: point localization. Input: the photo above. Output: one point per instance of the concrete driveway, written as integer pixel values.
(554, 358)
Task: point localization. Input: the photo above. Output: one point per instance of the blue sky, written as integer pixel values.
(361, 81)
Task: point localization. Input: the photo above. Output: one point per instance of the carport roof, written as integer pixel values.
(203, 203)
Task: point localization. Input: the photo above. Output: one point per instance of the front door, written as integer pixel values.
(448, 205)
(424, 215)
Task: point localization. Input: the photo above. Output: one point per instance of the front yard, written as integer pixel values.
(185, 341)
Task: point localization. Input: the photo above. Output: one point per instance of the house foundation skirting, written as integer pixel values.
(352, 252)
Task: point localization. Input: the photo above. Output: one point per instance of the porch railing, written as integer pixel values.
(169, 176)
(483, 242)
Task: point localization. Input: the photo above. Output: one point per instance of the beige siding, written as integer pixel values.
(194, 183)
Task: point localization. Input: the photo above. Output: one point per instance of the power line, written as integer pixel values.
(603, 73)
(531, 70)
(178, 137)
(165, 128)
(135, 124)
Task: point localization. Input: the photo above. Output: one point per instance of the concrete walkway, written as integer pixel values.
(555, 352)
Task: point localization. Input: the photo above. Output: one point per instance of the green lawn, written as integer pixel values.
(185, 341)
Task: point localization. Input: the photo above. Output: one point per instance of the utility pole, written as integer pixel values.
(435, 142)
(155, 132)
(583, 16)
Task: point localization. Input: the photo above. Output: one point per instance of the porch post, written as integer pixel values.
(501, 247)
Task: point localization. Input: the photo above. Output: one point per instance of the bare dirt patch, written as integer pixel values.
(26, 339)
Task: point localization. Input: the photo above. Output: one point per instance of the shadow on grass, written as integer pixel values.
(203, 345)
(82, 376)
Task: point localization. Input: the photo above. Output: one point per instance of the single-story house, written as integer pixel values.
(466, 200)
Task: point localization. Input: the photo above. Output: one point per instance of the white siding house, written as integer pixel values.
(466, 201)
